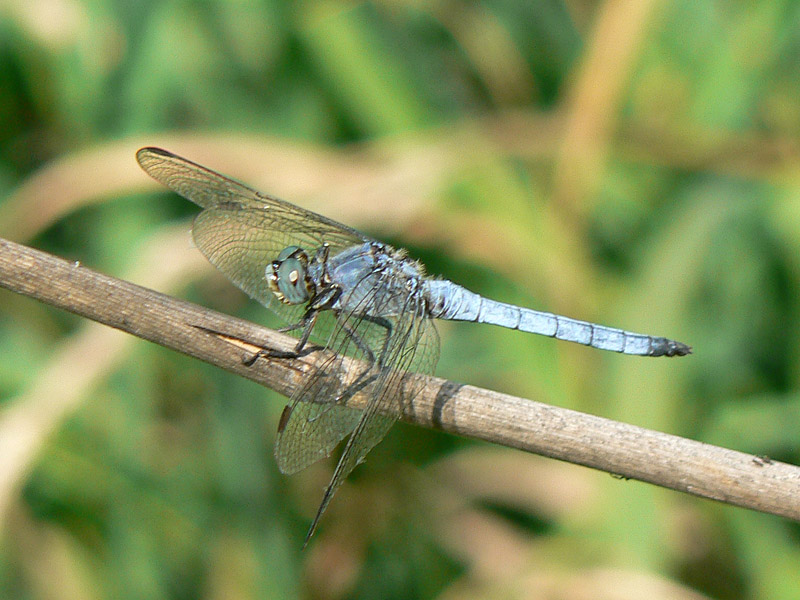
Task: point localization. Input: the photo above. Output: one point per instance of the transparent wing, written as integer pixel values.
(240, 230)
(360, 351)
(393, 352)
(208, 188)
(314, 421)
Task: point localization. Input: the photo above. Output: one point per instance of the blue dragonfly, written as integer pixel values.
(355, 297)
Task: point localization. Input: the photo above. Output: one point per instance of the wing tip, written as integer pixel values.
(150, 155)
(153, 150)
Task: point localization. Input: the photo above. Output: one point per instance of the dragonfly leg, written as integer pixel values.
(367, 376)
(321, 301)
(387, 325)
(364, 379)
(363, 346)
(306, 323)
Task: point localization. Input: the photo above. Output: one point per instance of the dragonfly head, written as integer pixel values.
(288, 276)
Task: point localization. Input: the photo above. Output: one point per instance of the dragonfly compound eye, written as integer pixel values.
(288, 277)
(292, 251)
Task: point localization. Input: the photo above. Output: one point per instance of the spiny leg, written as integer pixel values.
(367, 376)
(306, 323)
(364, 347)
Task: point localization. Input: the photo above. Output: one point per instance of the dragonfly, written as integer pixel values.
(356, 298)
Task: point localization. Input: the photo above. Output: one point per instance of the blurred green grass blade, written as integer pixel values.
(767, 551)
(760, 425)
(362, 70)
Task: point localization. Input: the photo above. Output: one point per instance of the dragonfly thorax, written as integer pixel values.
(288, 276)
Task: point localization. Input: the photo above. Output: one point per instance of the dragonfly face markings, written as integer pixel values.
(294, 279)
(288, 276)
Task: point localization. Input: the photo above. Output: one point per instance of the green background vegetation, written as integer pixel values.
(630, 162)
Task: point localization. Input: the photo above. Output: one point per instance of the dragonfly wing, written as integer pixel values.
(210, 189)
(388, 374)
(411, 353)
(316, 418)
(241, 231)
(194, 182)
(313, 422)
(242, 242)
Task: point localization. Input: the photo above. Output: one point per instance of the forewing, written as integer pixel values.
(240, 230)
(194, 182)
(410, 353)
(209, 189)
